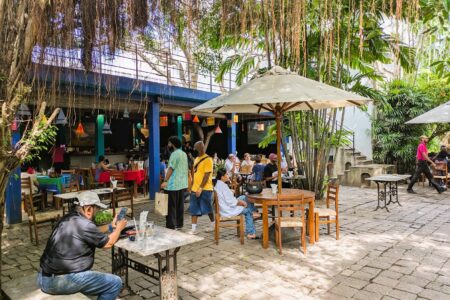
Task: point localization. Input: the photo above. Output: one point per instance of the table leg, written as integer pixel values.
(135, 188)
(168, 287)
(265, 233)
(311, 225)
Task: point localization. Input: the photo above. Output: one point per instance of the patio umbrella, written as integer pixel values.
(279, 91)
(440, 114)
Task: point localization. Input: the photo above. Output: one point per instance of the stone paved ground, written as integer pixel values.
(404, 254)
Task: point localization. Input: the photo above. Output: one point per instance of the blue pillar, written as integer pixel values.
(153, 147)
(99, 137)
(13, 202)
(231, 136)
(180, 127)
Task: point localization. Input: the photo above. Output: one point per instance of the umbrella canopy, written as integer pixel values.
(279, 86)
(279, 91)
(440, 114)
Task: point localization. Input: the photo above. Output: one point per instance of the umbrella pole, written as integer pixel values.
(278, 116)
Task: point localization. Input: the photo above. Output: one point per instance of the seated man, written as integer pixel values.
(69, 255)
(230, 206)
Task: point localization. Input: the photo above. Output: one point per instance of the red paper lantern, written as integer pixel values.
(187, 116)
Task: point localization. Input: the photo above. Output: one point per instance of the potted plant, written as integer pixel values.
(103, 219)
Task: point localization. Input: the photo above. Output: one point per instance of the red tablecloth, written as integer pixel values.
(137, 176)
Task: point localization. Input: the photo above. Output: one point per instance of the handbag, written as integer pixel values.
(161, 203)
(254, 187)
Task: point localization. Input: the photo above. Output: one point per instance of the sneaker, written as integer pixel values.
(411, 191)
(209, 228)
(441, 190)
(192, 231)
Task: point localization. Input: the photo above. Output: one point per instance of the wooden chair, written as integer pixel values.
(73, 185)
(235, 222)
(122, 196)
(440, 172)
(144, 183)
(292, 205)
(323, 215)
(26, 185)
(37, 218)
(92, 184)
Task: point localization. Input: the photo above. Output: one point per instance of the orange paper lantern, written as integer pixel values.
(163, 121)
(196, 119)
(80, 130)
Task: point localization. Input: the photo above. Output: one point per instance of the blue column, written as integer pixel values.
(99, 137)
(231, 136)
(153, 147)
(180, 127)
(13, 194)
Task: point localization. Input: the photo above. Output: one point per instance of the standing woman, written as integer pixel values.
(176, 183)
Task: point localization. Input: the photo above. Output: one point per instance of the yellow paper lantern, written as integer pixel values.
(210, 121)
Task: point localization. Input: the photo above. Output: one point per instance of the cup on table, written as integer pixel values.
(274, 188)
(149, 229)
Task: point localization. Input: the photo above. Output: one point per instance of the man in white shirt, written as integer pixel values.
(229, 206)
(230, 165)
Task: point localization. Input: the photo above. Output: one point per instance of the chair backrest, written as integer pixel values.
(216, 204)
(26, 186)
(119, 176)
(333, 195)
(73, 184)
(290, 204)
(246, 169)
(72, 171)
(122, 195)
(440, 169)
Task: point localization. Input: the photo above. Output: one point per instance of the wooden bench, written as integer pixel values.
(25, 288)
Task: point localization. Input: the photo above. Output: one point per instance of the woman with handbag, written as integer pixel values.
(175, 183)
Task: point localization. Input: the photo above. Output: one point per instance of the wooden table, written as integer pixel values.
(159, 245)
(391, 181)
(266, 198)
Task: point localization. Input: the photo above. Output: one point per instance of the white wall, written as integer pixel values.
(359, 122)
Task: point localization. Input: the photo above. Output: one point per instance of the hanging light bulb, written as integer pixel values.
(196, 119)
(218, 130)
(107, 128)
(204, 123)
(61, 118)
(126, 114)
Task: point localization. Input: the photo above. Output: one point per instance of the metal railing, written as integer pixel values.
(140, 64)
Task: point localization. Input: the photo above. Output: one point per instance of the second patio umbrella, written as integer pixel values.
(279, 91)
(440, 114)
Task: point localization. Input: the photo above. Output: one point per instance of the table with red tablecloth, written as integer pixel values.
(136, 176)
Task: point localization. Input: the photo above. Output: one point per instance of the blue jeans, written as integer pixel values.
(248, 214)
(105, 286)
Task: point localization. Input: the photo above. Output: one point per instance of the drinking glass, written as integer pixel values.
(149, 229)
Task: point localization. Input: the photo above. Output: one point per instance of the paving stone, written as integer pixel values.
(434, 295)
(343, 290)
(398, 294)
(408, 287)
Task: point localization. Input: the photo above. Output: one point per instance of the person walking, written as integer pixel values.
(176, 183)
(422, 166)
(202, 188)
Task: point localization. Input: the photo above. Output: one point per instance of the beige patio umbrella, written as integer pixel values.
(279, 91)
(440, 114)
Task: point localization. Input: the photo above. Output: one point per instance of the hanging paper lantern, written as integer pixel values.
(172, 119)
(163, 121)
(187, 116)
(80, 130)
(236, 118)
(204, 123)
(138, 125)
(229, 123)
(107, 128)
(196, 119)
(218, 130)
(210, 121)
(24, 110)
(126, 114)
(61, 118)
